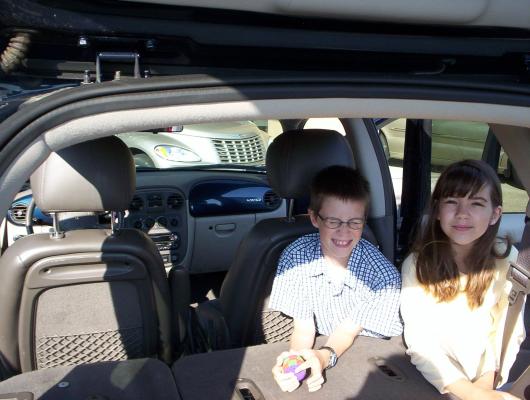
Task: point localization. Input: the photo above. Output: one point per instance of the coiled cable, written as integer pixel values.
(15, 52)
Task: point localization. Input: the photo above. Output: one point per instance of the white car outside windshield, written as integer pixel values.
(239, 143)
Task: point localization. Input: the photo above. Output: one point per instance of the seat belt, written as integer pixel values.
(519, 275)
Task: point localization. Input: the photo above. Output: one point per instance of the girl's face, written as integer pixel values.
(465, 219)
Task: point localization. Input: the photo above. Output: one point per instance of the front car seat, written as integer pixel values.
(293, 158)
(87, 295)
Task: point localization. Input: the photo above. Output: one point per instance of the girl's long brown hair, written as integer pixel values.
(436, 268)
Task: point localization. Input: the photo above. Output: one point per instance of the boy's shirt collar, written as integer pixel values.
(318, 266)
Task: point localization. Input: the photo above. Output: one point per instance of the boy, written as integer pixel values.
(334, 282)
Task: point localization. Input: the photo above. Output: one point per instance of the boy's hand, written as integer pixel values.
(314, 359)
(286, 382)
(317, 361)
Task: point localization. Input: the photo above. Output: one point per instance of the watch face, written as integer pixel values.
(332, 359)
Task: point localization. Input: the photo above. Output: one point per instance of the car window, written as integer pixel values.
(272, 127)
(451, 141)
(235, 145)
(325, 123)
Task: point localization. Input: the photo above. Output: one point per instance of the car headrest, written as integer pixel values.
(98, 175)
(295, 156)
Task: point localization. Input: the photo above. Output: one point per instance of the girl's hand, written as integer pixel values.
(485, 381)
(466, 390)
(490, 394)
(286, 382)
(508, 396)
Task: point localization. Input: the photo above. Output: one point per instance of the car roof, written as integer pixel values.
(67, 39)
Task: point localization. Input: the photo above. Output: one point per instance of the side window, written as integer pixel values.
(272, 127)
(458, 140)
(325, 123)
(451, 141)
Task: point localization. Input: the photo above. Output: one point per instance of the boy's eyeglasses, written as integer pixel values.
(335, 223)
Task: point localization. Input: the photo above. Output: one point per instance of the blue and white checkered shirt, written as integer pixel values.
(369, 295)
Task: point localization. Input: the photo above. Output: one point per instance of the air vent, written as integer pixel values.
(175, 201)
(137, 203)
(271, 199)
(17, 213)
(154, 200)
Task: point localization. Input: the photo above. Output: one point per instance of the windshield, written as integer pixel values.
(238, 145)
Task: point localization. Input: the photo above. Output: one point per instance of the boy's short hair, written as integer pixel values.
(338, 181)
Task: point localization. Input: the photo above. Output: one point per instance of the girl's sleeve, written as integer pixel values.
(425, 350)
(499, 313)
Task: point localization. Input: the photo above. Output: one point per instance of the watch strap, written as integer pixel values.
(332, 356)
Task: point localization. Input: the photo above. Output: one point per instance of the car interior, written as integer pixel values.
(104, 310)
(155, 157)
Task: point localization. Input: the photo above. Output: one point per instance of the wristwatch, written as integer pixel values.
(332, 356)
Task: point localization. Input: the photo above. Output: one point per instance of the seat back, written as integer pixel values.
(292, 160)
(86, 295)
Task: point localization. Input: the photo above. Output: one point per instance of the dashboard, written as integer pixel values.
(196, 218)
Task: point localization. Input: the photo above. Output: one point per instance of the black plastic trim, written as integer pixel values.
(416, 180)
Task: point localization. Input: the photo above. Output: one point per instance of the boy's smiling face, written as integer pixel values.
(337, 244)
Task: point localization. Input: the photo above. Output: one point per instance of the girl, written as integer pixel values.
(455, 294)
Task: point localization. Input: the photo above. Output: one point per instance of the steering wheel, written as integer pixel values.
(29, 217)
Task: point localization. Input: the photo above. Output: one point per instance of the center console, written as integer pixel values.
(161, 213)
(199, 225)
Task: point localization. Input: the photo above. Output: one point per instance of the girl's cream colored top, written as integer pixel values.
(448, 341)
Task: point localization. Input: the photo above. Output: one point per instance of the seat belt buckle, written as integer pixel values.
(519, 276)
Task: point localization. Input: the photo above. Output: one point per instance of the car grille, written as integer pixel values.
(239, 150)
